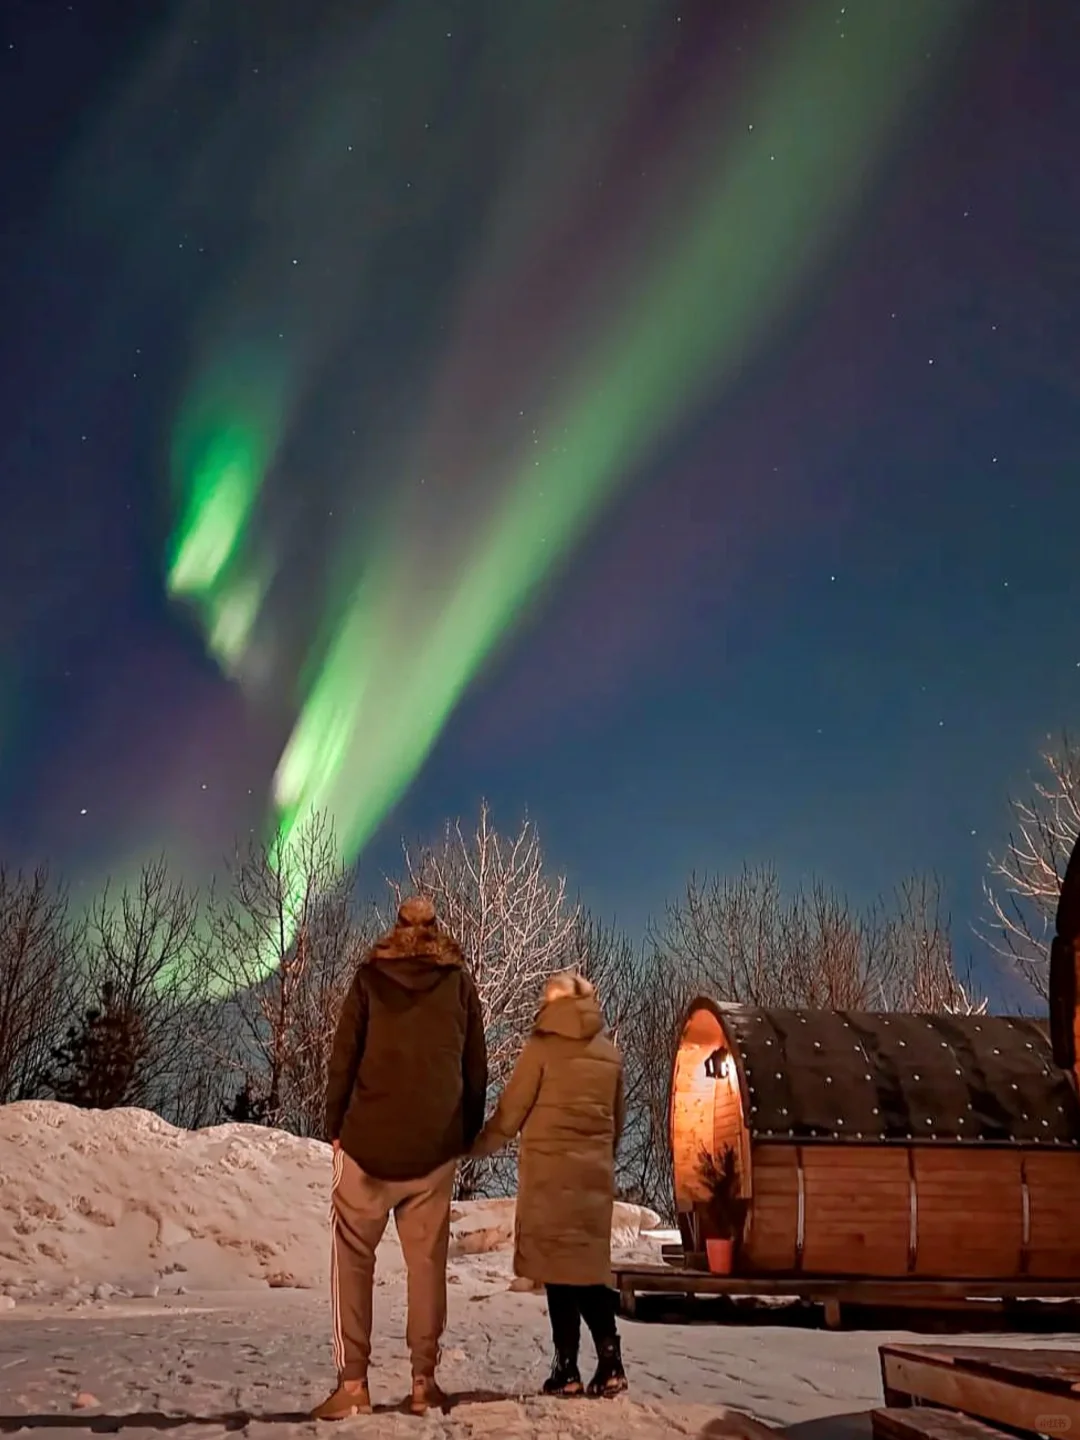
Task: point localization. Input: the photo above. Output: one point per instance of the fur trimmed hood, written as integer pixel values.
(417, 948)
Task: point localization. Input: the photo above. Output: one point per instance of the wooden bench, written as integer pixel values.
(1036, 1391)
(923, 1422)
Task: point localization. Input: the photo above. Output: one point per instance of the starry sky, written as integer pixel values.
(661, 417)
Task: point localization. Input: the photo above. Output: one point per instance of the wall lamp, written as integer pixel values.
(715, 1064)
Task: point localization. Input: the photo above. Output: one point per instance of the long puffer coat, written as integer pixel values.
(565, 1098)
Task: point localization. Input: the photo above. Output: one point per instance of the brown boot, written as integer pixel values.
(351, 1397)
(426, 1396)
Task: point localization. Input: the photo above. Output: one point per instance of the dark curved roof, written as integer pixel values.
(813, 1075)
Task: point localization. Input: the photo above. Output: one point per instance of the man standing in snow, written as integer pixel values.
(405, 1100)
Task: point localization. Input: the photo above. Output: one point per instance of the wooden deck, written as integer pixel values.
(958, 1392)
(833, 1292)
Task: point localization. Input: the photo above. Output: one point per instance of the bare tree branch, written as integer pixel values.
(144, 959)
(1025, 882)
(916, 965)
(284, 947)
(739, 938)
(39, 966)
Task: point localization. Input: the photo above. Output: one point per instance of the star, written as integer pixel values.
(624, 452)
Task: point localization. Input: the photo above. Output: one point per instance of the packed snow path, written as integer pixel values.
(207, 1365)
(266, 1356)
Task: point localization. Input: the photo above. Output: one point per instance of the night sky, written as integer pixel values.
(661, 415)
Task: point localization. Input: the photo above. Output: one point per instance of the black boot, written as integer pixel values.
(565, 1378)
(610, 1377)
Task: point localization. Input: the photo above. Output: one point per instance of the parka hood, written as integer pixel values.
(416, 957)
(575, 1017)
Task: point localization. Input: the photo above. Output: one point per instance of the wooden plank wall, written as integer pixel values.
(769, 1239)
(1054, 1189)
(971, 1212)
(728, 1127)
(969, 1221)
(691, 1121)
(858, 1210)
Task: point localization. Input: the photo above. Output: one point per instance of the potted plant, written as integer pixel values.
(723, 1210)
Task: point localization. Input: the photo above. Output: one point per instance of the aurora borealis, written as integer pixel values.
(423, 311)
(754, 214)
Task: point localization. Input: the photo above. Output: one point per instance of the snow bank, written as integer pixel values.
(479, 1227)
(121, 1198)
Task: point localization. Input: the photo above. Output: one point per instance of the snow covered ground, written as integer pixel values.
(178, 1280)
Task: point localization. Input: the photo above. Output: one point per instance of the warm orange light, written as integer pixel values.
(716, 1064)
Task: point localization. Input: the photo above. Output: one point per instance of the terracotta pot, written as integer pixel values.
(719, 1253)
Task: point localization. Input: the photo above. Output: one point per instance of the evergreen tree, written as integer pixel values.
(247, 1108)
(98, 1065)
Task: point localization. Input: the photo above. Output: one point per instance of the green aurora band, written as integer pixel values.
(759, 220)
(224, 445)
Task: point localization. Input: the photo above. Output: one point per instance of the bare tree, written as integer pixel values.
(285, 945)
(144, 977)
(648, 1037)
(606, 956)
(1025, 882)
(826, 957)
(38, 963)
(515, 926)
(741, 939)
(915, 965)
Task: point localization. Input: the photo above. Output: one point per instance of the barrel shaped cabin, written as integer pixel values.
(879, 1145)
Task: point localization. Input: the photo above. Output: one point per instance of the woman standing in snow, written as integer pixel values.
(565, 1098)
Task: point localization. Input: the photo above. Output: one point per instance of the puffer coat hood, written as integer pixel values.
(574, 1017)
